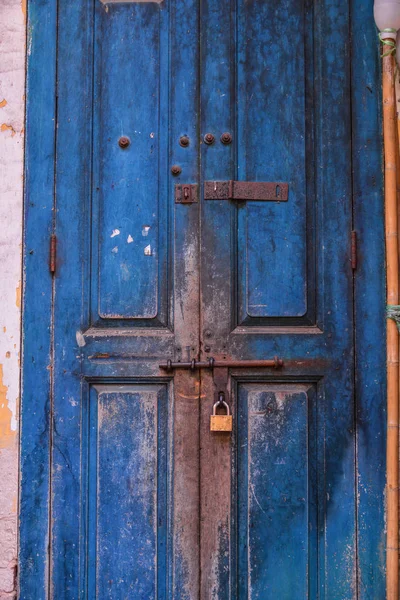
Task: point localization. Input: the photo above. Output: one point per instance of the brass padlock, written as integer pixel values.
(221, 422)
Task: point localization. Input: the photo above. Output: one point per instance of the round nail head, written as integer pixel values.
(184, 141)
(176, 170)
(226, 138)
(124, 142)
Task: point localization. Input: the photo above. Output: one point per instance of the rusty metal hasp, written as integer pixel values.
(269, 191)
(211, 363)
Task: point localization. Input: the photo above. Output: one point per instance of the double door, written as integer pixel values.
(203, 215)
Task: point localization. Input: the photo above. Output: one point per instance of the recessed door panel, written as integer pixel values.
(128, 497)
(277, 491)
(275, 143)
(130, 220)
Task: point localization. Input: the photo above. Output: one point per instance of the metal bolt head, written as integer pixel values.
(176, 170)
(209, 139)
(226, 138)
(124, 142)
(184, 141)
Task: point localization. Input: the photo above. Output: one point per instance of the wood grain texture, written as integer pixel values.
(369, 286)
(37, 303)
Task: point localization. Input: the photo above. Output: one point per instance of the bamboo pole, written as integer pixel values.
(392, 294)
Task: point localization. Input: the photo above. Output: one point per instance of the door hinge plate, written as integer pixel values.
(186, 193)
(354, 250)
(53, 253)
(262, 191)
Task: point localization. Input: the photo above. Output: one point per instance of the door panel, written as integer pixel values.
(277, 467)
(275, 143)
(277, 281)
(128, 470)
(131, 238)
(125, 474)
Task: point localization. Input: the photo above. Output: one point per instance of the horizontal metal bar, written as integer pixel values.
(269, 191)
(276, 363)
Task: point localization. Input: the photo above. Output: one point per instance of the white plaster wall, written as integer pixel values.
(12, 80)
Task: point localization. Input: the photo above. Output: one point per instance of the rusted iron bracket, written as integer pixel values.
(268, 191)
(53, 253)
(211, 363)
(186, 193)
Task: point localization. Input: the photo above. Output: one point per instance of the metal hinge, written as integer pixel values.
(354, 250)
(53, 253)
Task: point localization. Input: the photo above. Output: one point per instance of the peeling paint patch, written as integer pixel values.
(3, 103)
(80, 339)
(5, 127)
(145, 230)
(18, 296)
(130, 239)
(115, 232)
(7, 435)
(115, 249)
(147, 250)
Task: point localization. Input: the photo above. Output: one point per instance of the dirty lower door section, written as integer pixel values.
(145, 502)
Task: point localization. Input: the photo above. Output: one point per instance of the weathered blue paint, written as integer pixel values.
(37, 302)
(369, 287)
(145, 502)
(277, 467)
(128, 499)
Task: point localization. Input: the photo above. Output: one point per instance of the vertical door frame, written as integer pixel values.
(369, 287)
(369, 300)
(36, 379)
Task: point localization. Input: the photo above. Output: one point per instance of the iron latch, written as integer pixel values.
(186, 193)
(211, 363)
(268, 191)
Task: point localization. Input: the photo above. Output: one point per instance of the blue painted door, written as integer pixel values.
(158, 102)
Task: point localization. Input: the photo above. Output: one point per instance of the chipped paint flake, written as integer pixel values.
(130, 239)
(80, 339)
(3, 103)
(7, 435)
(18, 296)
(6, 127)
(147, 250)
(145, 230)
(115, 249)
(115, 232)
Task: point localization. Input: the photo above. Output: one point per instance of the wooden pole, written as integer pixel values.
(392, 293)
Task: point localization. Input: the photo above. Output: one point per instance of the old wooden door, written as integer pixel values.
(162, 258)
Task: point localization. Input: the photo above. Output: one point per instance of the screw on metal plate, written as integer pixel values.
(184, 141)
(124, 142)
(176, 170)
(209, 139)
(226, 138)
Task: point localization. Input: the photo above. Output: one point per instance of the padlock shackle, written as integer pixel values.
(218, 403)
